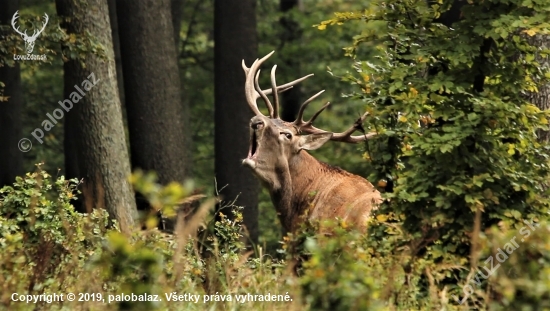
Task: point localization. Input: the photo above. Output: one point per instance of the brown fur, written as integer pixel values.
(299, 184)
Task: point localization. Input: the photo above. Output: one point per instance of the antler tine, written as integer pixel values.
(345, 136)
(262, 94)
(253, 91)
(300, 119)
(245, 69)
(249, 87)
(348, 138)
(284, 87)
(250, 93)
(280, 88)
(317, 114)
(274, 91)
(287, 86)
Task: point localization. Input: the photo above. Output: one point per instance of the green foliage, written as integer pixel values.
(522, 280)
(339, 275)
(457, 135)
(40, 232)
(348, 271)
(48, 248)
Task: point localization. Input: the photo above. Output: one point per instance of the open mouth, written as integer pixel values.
(253, 146)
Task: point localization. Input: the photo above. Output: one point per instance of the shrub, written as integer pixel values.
(46, 247)
(457, 151)
(40, 233)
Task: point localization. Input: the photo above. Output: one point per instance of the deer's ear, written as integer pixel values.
(313, 141)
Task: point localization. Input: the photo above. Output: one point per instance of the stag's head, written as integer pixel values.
(275, 144)
(29, 40)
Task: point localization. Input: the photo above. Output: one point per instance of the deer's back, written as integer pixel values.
(335, 193)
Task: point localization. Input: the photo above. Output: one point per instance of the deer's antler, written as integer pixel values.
(253, 92)
(307, 127)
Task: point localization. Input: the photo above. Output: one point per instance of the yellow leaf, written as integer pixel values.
(511, 149)
(322, 27)
(413, 91)
(382, 217)
(531, 32)
(402, 119)
(366, 77)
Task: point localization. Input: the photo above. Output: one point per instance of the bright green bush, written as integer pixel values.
(457, 151)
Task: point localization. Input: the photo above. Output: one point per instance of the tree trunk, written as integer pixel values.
(291, 34)
(176, 7)
(156, 118)
(11, 157)
(116, 47)
(542, 98)
(102, 151)
(177, 17)
(235, 39)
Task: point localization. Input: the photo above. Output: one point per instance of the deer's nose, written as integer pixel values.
(257, 125)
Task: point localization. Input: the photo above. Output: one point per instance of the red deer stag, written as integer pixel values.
(298, 183)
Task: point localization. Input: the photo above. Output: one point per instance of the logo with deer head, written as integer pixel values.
(29, 40)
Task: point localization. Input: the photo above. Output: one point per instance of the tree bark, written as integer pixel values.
(11, 158)
(235, 39)
(541, 99)
(116, 47)
(156, 119)
(102, 152)
(177, 18)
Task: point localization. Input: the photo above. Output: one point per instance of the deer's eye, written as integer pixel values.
(287, 135)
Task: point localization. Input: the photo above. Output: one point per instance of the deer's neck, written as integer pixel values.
(292, 197)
